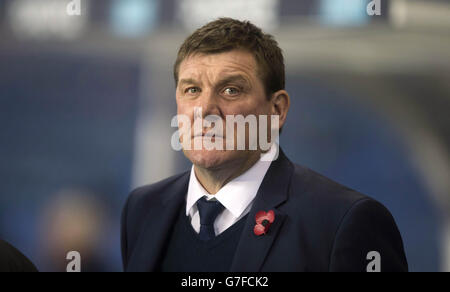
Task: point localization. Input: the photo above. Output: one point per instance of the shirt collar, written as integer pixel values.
(237, 194)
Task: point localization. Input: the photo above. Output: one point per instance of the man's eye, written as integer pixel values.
(231, 91)
(192, 90)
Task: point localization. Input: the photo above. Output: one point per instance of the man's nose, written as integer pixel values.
(208, 102)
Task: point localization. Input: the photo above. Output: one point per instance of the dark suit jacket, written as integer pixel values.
(12, 260)
(320, 225)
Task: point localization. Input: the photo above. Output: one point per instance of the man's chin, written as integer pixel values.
(209, 159)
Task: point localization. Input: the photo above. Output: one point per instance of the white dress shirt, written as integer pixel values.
(236, 196)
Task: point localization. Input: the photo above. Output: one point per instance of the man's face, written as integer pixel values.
(220, 84)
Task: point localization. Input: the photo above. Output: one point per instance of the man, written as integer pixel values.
(12, 260)
(237, 210)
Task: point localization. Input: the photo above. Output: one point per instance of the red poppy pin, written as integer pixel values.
(263, 222)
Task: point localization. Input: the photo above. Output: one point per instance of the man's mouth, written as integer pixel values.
(208, 135)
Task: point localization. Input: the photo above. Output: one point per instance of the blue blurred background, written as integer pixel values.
(86, 103)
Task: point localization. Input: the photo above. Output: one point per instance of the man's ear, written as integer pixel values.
(280, 105)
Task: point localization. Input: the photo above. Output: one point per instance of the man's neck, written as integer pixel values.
(213, 180)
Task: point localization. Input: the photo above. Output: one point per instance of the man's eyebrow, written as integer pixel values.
(228, 79)
(232, 79)
(188, 81)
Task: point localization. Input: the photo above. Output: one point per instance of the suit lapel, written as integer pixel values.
(252, 250)
(159, 222)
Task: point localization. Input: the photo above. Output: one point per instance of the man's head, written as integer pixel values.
(229, 67)
(226, 34)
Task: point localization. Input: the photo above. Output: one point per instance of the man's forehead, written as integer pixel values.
(230, 62)
(192, 75)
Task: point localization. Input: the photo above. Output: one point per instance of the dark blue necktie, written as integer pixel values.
(208, 210)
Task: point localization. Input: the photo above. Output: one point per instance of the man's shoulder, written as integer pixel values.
(155, 192)
(330, 209)
(315, 184)
(321, 195)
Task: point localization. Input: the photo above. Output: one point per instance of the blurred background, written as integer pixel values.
(87, 96)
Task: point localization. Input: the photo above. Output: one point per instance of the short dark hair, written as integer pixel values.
(226, 34)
